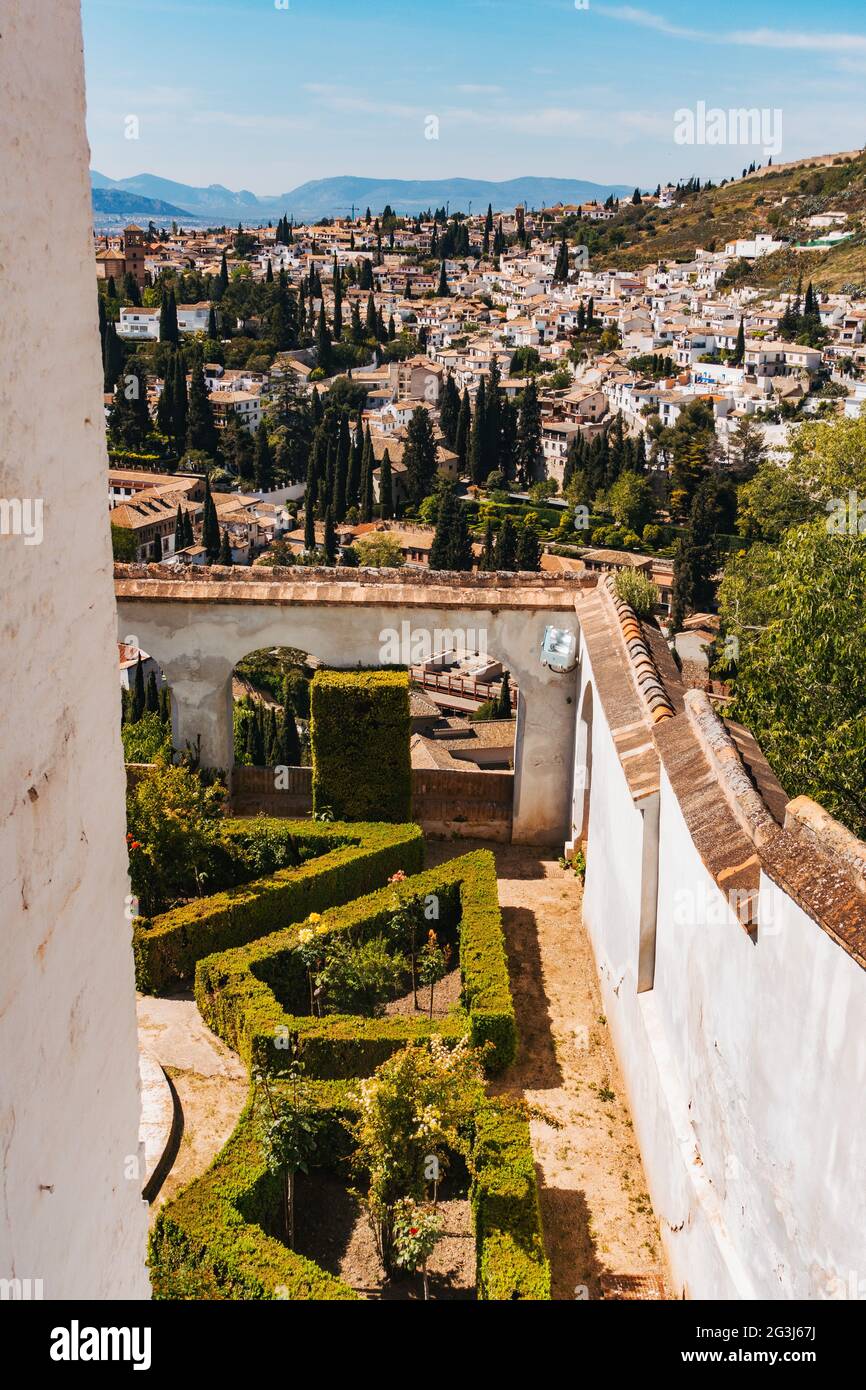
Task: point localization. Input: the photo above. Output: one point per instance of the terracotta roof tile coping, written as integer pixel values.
(748, 807)
(645, 673)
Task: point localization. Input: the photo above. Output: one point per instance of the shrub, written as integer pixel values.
(637, 591)
(250, 996)
(147, 740)
(174, 828)
(359, 734)
(509, 1247)
(350, 859)
(213, 1241)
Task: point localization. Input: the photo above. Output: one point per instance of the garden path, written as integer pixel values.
(599, 1226)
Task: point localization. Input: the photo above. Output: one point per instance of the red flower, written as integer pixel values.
(413, 1230)
(135, 845)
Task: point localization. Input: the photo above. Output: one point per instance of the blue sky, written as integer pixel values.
(253, 95)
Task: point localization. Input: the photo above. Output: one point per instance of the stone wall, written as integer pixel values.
(71, 1212)
(476, 805)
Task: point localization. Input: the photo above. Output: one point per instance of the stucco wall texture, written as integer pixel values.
(744, 1062)
(71, 1212)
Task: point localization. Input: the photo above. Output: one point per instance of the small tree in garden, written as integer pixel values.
(405, 927)
(413, 1110)
(289, 1136)
(358, 979)
(311, 949)
(417, 1232)
(433, 963)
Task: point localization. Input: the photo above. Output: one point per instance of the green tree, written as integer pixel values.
(528, 435)
(225, 555)
(419, 455)
(200, 428)
(506, 546)
(503, 700)
(386, 487)
(528, 549)
(452, 545)
(798, 616)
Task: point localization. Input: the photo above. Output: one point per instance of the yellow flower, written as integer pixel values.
(314, 917)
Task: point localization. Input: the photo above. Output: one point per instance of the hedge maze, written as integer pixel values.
(217, 1238)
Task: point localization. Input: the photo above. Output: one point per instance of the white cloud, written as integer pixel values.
(744, 38)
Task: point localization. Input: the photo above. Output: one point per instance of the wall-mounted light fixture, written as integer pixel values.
(559, 650)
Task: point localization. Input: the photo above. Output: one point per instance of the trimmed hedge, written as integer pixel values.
(212, 1241)
(350, 859)
(246, 995)
(359, 736)
(509, 1246)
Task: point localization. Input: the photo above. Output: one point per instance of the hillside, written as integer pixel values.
(776, 200)
(117, 202)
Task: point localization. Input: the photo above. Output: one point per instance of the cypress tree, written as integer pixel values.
(272, 739)
(212, 326)
(740, 349)
(310, 511)
(464, 431)
(449, 411)
(112, 358)
(323, 342)
(443, 291)
(503, 699)
(210, 536)
(179, 529)
(188, 538)
(264, 466)
(165, 404)
(419, 455)
(506, 546)
(528, 549)
(338, 302)
(478, 437)
(151, 697)
(200, 428)
(528, 434)
(288, 743)
(371, 324)
(330, 538)
(179, 403)
(222, 279)
(488, 558)
(225, 555)
(138, 696)
(386, 487)
(367, 498)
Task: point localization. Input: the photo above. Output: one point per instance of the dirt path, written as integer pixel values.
(210, 1083)
(597, 1216)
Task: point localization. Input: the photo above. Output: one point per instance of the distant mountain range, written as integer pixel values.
(116, 202)
(151, 196)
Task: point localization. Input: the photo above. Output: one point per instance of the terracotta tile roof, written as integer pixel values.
(644, 670)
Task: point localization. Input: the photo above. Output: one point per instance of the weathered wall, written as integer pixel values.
(469, 805)
(70, 1207)
(744, 1058)
(198, 643)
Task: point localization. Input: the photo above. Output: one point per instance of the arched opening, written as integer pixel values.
(270, 694)
(146, 712)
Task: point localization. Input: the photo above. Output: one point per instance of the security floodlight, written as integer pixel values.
(559, 650)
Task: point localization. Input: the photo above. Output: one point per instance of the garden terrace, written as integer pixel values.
(255, 997)
(339, 861)
(218, 1238)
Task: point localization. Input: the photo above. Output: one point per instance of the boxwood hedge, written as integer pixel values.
(359, 736)
(509, 1246)
(346, 860)
(246, 995)
(213, 1240)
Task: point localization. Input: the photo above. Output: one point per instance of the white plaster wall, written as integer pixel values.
(197, 645)
(744, 1065)
(70, 1207)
